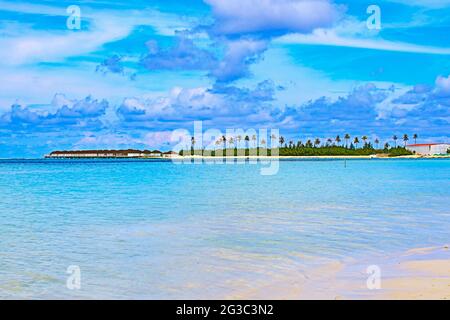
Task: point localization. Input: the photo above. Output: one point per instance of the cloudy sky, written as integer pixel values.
(137, 70)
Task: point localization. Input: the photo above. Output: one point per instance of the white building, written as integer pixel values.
(170, 154)
(135, 154)
(130, 153)
(429, 149)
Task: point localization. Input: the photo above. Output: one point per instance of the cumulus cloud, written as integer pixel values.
(148, 123)
(245, 27)
(242, 29)
(220, 104)
(443, 85)
(271, 16)
(427, 106)
(372, 110)
(76, 113)
(355, 112)
(367, 109)
(179, 104)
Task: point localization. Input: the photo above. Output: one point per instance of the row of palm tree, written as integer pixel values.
(337, 141)
(236, 141)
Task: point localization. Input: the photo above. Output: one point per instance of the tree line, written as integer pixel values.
(347, 145)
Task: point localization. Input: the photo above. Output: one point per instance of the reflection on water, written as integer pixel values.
(152, 229)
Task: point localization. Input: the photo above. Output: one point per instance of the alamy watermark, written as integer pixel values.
(73, 21)
(374, 280)
(374, 20)
(234, 146)
(73, 281)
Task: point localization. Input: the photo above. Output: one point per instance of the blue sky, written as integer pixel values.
(137, 70)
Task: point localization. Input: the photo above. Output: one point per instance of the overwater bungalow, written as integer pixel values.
(129, 153)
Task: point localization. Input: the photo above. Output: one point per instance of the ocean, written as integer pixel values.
(151, 229)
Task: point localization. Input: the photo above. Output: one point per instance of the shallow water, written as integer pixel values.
(155, 229)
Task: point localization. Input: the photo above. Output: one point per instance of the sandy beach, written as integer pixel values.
(422, 274)
(181, 158)
(418, 274)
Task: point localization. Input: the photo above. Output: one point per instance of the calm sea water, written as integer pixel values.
(153, 229)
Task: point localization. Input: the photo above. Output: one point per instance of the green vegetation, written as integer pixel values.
(315, 147)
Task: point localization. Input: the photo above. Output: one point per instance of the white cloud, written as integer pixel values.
(158, 139)
(41, 85)
(443, 85)
(179, 103)
(105, 141)
(331, 38)
(21, 44)
(249, 16)
(239, 55)
(425, 3)
(43, 46)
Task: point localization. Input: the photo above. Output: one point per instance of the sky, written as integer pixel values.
(133, 71)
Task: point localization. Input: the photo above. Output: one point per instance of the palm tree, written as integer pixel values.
(364, 138)
(281, 141)
(192, 145)
(218, 143)
(254, 140)
(415, 136)
(231, 140)
(316, 142)
(338, 140)
(224, 141)
(395, 140)
(405, 139)
(309, 144)
(377, 142)
(238, 139)
(273, 138)
(347, 137)
(291, 144)
(263, 143)
(386, 145)
(329, 141)
(356, 141)
(247, 139)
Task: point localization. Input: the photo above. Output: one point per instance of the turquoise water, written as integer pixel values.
(154, 229)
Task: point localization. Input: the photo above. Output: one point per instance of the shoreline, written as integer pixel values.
(177, 158)
(314, 157)
(417, 274)
(421, 278)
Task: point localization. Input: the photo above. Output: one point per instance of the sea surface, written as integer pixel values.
(160, 230)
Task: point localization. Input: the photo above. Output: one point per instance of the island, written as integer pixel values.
(128, 153)
(227, 147)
